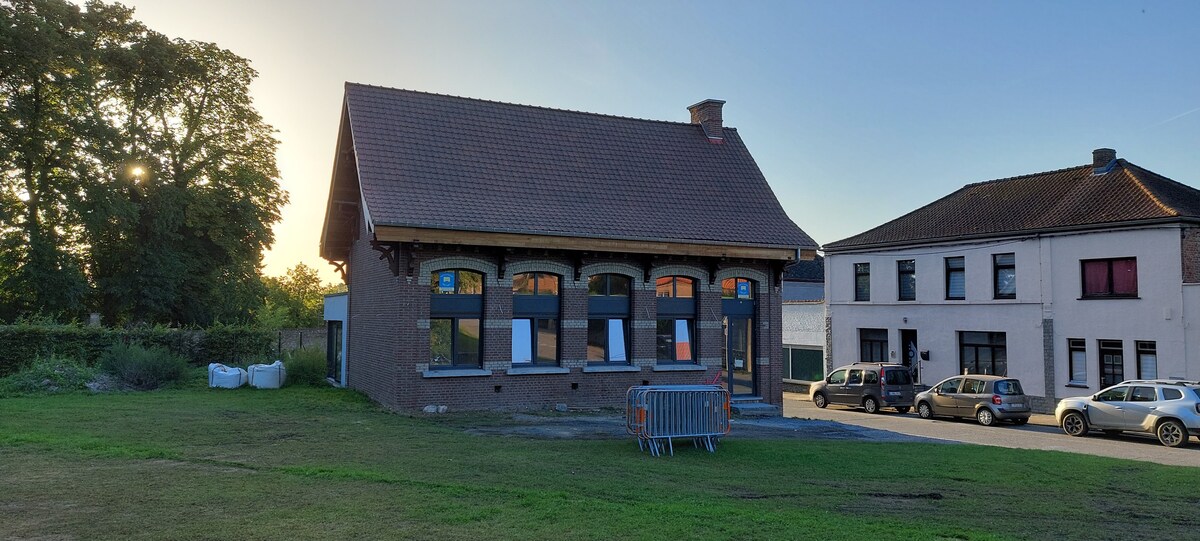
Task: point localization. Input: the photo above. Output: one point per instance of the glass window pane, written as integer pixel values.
(470, 283)
(547, 341)
(467, 344)
(442, 282)
(547, 284)
(862, 287)
(597, 284)
(1095, 278)
(523, 284)
(683, 339)
(522, 341)
(955, 263)
(597, 339)
(729, 288)
(1078, 366)
(663, 287)
(1006, 282)
(1148, 365)
(618, 285)
(683, 287)
(616, 341)
(440, 341)
(956, 284)
(1005, 259)
(664, 340)
(1124, 277)
(908, 286)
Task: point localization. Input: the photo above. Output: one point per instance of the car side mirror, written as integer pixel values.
(828, 379)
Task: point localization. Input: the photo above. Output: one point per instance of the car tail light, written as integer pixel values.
(996, 399)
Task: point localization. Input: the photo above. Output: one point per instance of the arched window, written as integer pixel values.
(535, 319)
(608, 319)
(676, 319)
(455, 317)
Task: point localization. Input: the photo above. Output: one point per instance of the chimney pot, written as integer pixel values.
(708, 115)
(1102, 159)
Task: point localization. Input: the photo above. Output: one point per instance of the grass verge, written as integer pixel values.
(321, 463)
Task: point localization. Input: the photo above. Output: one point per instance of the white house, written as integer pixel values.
(803, 324)
(1069, 280)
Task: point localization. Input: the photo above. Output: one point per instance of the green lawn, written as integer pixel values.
(326, 464)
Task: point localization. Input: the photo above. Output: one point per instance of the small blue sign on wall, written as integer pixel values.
(743, 290)
(446, 281)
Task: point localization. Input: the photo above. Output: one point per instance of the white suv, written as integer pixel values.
(1165, 408)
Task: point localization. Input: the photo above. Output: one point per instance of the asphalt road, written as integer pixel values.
(1040, 433)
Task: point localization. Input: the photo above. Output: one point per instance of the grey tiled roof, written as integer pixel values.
(437, 161)
(1071, 198)
(812, 270)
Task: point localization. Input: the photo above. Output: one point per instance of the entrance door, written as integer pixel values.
(333, 350)
(911, 359)
(739, 357)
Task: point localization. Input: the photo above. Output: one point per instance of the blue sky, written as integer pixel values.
(857, 112)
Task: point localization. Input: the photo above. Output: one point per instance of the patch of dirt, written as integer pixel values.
(609, 426)
(906, 496)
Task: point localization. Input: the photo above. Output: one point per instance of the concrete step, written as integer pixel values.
(755, 409)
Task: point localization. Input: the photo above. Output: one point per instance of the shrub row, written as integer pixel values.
(229, 344)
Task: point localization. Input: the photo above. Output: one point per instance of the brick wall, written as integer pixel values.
(388, 353)
(1190, 254)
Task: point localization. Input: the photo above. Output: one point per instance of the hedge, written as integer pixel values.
(230, 344)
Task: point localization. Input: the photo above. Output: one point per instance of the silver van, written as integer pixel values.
(867, 385)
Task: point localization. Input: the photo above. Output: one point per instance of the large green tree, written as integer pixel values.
(296, 299)
(147, 190)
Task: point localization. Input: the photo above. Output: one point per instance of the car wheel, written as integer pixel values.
(871, 405)
(1172, 433)
(1074, 424)
(1020, 421)
(924, 411)
(903, 409)
(985, 417)
(819, 400)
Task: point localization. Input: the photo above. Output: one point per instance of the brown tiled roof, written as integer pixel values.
(436, 161)
(1073, 198)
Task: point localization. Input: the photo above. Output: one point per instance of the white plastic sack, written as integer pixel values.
(267, 376)
(225, 377)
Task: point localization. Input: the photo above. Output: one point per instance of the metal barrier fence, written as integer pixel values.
(656, 413)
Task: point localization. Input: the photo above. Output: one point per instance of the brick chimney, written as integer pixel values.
(1102, 160)
(708, 115)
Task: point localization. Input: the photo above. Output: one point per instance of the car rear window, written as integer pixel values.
(1197, 391)
(1009, 387)
(1171, 394)
(897, 377)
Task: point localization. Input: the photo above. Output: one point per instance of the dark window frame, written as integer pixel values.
(538, 307)
(1142, 348)
(873, 344)
(673, 308)
(995, 342)
(1076, 345)
(1111, 290)
(997, 267)
(862, 271)
(605, 306)
(456, 307)
(961, 270)
(1111, 373)
(901, 273)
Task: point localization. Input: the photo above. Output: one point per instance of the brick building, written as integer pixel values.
(511, 256)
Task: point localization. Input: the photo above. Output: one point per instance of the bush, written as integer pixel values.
(229, 344)
(143, 367)
(305, 367)
(49, 374)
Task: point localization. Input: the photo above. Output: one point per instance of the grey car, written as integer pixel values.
(987, 399)
(1170, 410)
(866, 385)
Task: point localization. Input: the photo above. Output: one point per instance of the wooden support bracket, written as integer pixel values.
(391, 252)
